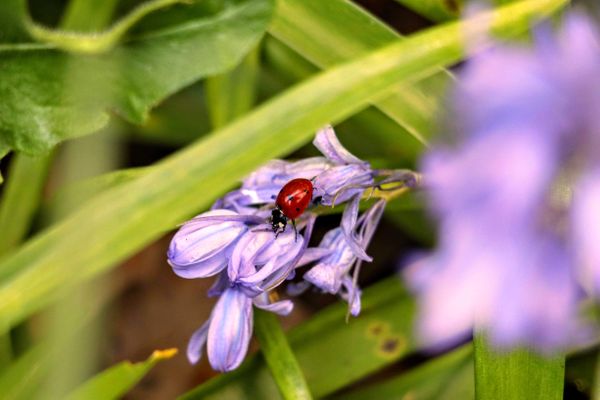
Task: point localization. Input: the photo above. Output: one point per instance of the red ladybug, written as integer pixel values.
(293, 198)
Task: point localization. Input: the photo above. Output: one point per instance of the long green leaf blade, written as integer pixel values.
(516, 375)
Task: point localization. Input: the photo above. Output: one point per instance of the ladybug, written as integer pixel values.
(293, 198)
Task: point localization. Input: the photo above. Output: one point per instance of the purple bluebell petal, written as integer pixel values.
(278, 173)
(328, 272)
(276, 246)
(328, 144)
(325, 277)
(264, 175)
(220, 285)
(197, 342)
(340, 183)
(313, 254)
(247, 249)
(276, 264)
(297, 288)
(197, 249)
(349, 219)
(282, 307)
(201, 269)
(307, 168)
(352, 295)
(278, 277)
(207, 218)
(230, 330)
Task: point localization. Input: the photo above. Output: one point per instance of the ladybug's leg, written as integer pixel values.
(295, 230)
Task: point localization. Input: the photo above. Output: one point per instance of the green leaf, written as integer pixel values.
(435, 10)
(48, 95)
(280, 358)
(127, 217)
(325, 33)
(117, 380)
(331, 353)
(432, 380)
(520, 374)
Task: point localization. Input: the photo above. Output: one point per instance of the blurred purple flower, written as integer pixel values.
(514, 255)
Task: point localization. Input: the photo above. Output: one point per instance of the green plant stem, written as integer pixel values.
(279, 357)
(520, 374)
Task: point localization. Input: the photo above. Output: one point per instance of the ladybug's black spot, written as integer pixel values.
(305, 191)
(297, 209)
(291, 198)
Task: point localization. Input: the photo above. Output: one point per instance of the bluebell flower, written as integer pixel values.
(235, 242)
(516, 195)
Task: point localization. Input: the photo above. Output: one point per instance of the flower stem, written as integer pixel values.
(279, 357)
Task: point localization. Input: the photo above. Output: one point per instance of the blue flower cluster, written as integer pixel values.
(234, 241)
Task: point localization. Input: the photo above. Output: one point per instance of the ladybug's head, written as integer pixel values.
(278, 221)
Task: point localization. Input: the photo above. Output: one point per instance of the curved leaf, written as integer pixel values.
(48, 95)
